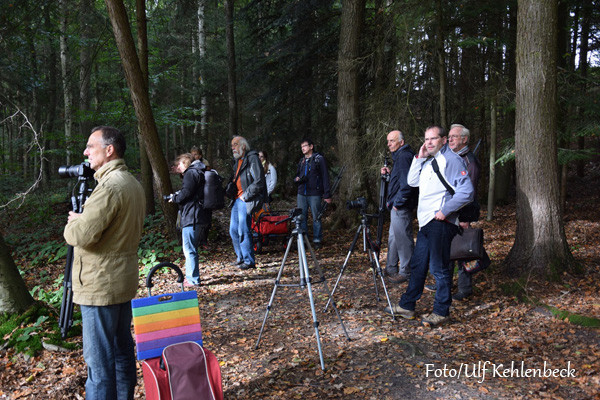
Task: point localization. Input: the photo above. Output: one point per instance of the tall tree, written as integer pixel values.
(540, 245)
(348, 113)
(145, 167)
(141, 103)
(231, 69)
(65, 73)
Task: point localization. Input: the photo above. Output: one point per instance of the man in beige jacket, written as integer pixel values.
(105, 237)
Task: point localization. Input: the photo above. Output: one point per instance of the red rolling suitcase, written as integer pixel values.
(169, 341)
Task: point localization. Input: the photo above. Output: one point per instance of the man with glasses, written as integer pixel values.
(437, 213)
(312, 179)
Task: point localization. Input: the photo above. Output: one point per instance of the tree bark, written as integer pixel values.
(441, 63)
(14, 296)
(492, 174)
(540, 245)
(348, 112)
(85, 66)
(141, 103)
(231, 69)
(145, 167)
(64, 63)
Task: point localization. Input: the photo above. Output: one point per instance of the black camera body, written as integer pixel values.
(359, 203)
(82, 170)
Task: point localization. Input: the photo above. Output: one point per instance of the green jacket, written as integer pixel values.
(105, 238)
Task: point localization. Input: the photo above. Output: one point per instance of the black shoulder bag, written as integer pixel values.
(467, 245)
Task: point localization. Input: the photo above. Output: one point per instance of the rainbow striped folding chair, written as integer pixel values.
(165, 319)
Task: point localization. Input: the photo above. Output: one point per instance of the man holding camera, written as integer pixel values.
(105, 237)
(435, 167)
(248, 190)
(401, 200)
(312, 178)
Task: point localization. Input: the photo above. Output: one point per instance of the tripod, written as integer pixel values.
(373, 251)
(305, 281)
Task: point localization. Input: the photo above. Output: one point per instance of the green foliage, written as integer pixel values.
(26, 331)
(154, 247)
(575, 319)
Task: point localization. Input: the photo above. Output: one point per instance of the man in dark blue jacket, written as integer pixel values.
(401, 201)
(312, 179)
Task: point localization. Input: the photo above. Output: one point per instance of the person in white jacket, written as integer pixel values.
(437, 214)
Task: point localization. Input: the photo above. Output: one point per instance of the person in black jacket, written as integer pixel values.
(401, 201)
(458, 141)
(193, 219)
(250, 194)
(312, 178)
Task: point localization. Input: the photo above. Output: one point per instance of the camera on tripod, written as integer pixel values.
(82, 170)
(358, 204)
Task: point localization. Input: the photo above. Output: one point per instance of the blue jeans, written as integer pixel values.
(108, 351)
(315, 208)
(240, 232)
(190, 237)
(432, 251)
(400, 242)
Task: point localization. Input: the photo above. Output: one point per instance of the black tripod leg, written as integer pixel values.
(352, 246)
(277, 280)
(304, 272)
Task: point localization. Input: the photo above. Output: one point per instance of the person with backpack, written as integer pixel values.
(312, 178)
(193, 219)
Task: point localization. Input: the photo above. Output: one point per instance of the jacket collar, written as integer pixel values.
(118, 164)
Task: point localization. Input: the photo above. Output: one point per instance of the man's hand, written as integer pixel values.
(72, 215)
(423, 153)
(328, 201)
(464, 225)
(440, 216)
(385, 170)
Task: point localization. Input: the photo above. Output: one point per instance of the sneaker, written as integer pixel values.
(404, 313)
(390, 271)
(397, 278)
(430, 288)
(461, 296)
(432, 320)
(237, 263)
(317, 245)
(244, 266)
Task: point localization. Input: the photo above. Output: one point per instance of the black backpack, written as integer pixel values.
(214, 194)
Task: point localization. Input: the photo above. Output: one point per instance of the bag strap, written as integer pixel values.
(436, 168)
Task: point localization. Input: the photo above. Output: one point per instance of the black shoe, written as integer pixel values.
(430, 288)
(397, 278)
(461, 296)
(390, 271)
(244, 266)
(317, 245)
(236, 263)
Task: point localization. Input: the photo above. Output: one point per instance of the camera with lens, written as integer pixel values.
(82, 170)
(359, 203)
(168, 197)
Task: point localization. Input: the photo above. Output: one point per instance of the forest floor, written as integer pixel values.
(497, 335)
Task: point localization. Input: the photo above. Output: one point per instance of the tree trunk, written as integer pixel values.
(145, 167)
(231, 69)
(492, 175)
(14, 296)
(540, 244)
(583, 70)
(85, 66)
(64, 63)
(141, 103)
(441, 64)
(348, 113)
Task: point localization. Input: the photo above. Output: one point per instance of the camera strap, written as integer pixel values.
(436, 169)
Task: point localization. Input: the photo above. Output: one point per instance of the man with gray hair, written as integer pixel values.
(401, 201)
(458, 141)
(251, 192)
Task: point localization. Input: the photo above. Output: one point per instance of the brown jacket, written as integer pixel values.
(105, 238)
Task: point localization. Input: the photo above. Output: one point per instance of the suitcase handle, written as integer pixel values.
(167, 264)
